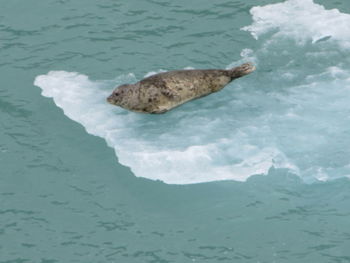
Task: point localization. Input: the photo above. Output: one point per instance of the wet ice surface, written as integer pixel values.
(291, 113)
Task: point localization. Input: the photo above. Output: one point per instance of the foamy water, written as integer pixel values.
(291, 113)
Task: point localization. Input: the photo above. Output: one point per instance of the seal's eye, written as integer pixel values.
(116, 94)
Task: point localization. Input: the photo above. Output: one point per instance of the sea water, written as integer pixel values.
(255, 173)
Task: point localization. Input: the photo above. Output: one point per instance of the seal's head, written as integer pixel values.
(118, 95)
(242, 70)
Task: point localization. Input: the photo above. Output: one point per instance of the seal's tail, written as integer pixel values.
(242, 70)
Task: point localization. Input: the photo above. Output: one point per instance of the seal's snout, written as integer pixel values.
(115, 98)
(110, 99)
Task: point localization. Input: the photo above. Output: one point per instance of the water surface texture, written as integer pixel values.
(84, 181)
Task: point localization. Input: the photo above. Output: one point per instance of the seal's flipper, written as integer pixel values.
(159, 111)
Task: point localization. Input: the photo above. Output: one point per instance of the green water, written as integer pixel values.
(65, 198)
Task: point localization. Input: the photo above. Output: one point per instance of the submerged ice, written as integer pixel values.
(291, 113)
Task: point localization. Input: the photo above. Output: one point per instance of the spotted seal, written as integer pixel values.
(164, 91)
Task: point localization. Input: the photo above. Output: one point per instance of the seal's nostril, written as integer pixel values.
(109, 98)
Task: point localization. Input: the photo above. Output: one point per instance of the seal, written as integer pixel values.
(164, 91)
